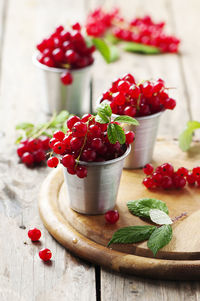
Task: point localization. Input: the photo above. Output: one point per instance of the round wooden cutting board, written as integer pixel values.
(87, 236)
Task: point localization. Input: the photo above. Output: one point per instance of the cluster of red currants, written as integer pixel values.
(33, 151)
(145, 31)
(98, 21)
(34, 234)
(86, 140)
(128, 98)
(67, 50)
(166, 177)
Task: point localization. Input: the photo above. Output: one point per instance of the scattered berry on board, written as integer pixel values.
(66, 49)
(34, 234)
(45, 254)
(126, 97)
(165, 177)
(112, 216)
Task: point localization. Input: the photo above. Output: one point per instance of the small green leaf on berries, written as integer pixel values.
(126, 119)
(132, 234)
(159, 238)
(101, 118)
(142, 207)
(160, 217)
(104, 108)
(112, 134)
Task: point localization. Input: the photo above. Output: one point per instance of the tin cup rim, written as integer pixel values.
(57, 70)
(107, 162)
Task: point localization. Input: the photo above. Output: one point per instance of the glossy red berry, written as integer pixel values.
(179, 181)
(123, 86)
(130, 111)
(79, 129)
(66, 78)
(45, 142)
(45, 254)
(52, 162)
(167, 169)
(196, 172)
(68, 161)
(76, 143)
(34, 234)
(169, 103)
(59, 148)
(39, 156)
(134, 91)
(97, 144)
(119, 98)
(76, 26)
(71, 121)
(81, 171)
(58, 54)
(130, 136)
(182, 171)
(166, 182)
(148, 169)
(21, 150)
(191, 179)
(71, 56)
(59, 135)
(112, 216)
(27, 158)
(148, 183)
(89, 155)
(94, 131)
(157, 178)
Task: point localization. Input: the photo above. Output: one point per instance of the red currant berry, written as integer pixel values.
(166, 182)
(48, 62)
(97, 144)
(68, 161)
(134, 91)
(66, 78)
(71, 170)
(130, 136)
(128, 77)
(94, 131)
(169, 103)
(119, 98)
(27, 159)
(52, 142)
(79, 129)
(191, 179)
(71, 56)
(81, 171)
(147, 89)
(76, 26)
(33, 144)
(148, 169)
(123, 86)
(34, 234)
(86, 117)
(89, 155)
(39, 156)
(76, 143)
(167, 169)
(58, 55)
(130, 111)
(52, 162)
(45, 142)
(157, 178)
(179, 181)
(196, 172)
(157, 87)
(45, 254)
(182, 171)
(59, 135)
(71, 121)
(112, 216)
(21, 150)
(148, 183)
(59, 148)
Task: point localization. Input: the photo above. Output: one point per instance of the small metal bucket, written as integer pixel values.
(145, 137)
(97, 193)
(75, 98)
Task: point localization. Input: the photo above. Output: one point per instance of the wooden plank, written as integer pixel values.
(23, 275)
(189, 32)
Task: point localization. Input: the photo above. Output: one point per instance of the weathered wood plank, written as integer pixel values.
(189, 32)
(21, 97)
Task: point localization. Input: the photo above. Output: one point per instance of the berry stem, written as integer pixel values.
(176, 218)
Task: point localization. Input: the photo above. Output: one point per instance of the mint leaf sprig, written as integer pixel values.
(114, 131)
(29, 130)
(185, 137)
(157, 236)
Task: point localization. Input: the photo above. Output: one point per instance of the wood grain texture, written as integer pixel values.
(85, 248)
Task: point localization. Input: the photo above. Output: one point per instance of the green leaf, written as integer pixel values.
(17, 141)
(101, 118)
(159, 238)
(60, 118)
(104, 108)
(126, 119)
(109, 53)
(185, 137)
(160, 217)
(132, 234)
(120, 133)
(24, 126)
(142, 207)
(140, 48)
(112, 134)
(111, 38)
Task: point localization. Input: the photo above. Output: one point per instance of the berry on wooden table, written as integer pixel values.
(45, 254)
(112, 216)
(34, 234)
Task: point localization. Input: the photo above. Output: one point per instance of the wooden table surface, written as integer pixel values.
(22, 23)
